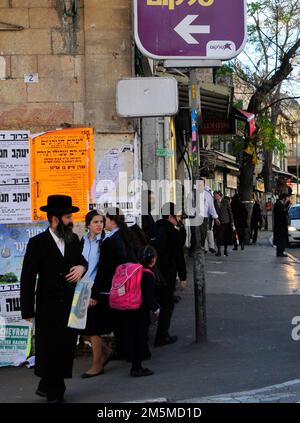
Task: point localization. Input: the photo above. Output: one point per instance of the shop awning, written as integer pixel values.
(234, 168)
(283, 173)
(215, 99)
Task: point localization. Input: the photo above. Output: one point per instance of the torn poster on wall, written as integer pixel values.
(115, 186)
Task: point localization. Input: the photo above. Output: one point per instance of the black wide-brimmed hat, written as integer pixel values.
(61, 204)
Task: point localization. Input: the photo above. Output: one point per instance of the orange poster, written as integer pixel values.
(62, 162)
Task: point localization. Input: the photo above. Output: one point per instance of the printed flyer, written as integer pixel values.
(14, 177)
(61, 162)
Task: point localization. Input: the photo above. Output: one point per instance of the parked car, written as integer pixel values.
(294, 226)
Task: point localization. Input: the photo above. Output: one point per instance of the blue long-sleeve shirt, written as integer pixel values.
(91, 252)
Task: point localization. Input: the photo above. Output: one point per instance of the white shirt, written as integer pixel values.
(209, 208)
(58, 241)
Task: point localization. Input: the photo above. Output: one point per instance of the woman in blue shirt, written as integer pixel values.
(92, 241)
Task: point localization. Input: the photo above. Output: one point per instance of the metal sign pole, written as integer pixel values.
(198, 255)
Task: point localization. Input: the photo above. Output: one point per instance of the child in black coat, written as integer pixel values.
(135, 323)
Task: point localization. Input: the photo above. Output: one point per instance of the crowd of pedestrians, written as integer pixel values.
(56, 260)
(226, 222)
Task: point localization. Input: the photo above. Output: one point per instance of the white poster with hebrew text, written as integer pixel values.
(14, 177)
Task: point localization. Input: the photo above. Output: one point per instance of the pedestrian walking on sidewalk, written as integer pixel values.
(256, 221)
(281, 235)
(224, 230)
(170, 261)
(92, 242)
(135, 323)
(209, 213)
(55, 257)
(116, 249)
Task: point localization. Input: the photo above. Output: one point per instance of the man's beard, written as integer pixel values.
(65, 232)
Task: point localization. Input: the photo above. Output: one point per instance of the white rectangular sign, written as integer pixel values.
(141, 97)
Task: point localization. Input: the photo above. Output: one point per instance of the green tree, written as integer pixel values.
(272, 55)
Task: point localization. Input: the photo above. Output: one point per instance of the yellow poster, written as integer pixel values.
(62, 162)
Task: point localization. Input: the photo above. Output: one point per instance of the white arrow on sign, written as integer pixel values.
(185, 29)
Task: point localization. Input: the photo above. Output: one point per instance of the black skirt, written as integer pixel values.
(100, 318)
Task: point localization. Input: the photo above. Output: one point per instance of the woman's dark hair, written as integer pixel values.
(90, 216)
(118, 217)
(146, 255)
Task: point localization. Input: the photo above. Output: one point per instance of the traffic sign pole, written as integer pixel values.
(213, 30)
(198, 253)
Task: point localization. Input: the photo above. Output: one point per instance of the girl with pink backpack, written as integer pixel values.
(135, 312)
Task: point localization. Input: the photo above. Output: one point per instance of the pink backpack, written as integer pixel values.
(126, 292)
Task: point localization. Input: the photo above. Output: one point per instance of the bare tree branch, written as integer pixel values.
(268, 85)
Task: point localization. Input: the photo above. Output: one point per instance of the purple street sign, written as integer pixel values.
(190, 29)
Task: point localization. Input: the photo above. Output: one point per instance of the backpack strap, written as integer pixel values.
(148, 271)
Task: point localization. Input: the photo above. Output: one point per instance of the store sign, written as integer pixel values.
(231, 181)
(211, 126)
(164, 152)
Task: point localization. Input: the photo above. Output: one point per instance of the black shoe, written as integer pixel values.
(212, 250)
(40, 393)
(225, 253)
(166, 341)
(235, 249)
(177, 298)
(218, 254)
(282, 255)
(88, 375)
(141, 372)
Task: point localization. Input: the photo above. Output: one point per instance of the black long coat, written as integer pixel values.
(135, 323)
(281, 234)
(54, 342)
(169, 247)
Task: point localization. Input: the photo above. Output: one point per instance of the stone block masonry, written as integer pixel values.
(78, 61)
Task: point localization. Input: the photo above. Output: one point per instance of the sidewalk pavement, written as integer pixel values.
(252, 297)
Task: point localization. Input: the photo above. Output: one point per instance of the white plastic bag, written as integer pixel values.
(78, 314)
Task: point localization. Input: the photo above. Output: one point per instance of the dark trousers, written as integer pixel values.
(203, 231)
(254, 231)
(166, 301)
(53, 388)
(222, 234)
(241, 234)
(280, 247)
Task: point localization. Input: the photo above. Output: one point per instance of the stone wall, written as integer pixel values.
(78, 60)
